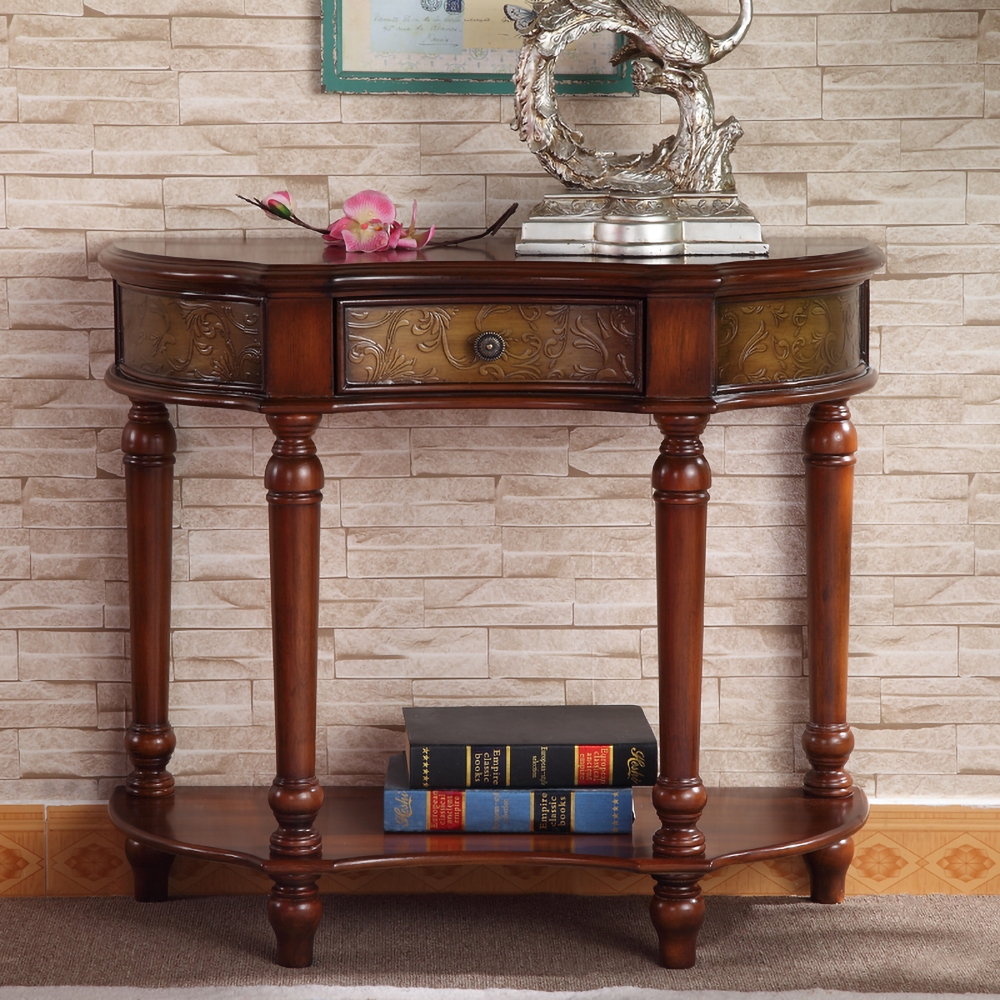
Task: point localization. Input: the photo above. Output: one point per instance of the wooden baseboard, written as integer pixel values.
(75, 851)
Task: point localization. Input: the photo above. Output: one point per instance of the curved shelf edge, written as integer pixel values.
(233, 825)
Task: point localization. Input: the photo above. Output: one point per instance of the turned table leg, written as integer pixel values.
(148, 446)
(294, 480)
(829, 444)
(681, 478)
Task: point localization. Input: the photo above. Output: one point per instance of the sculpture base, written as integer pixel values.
(630, 225)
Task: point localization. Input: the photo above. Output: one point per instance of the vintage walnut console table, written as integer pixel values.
(295, 330)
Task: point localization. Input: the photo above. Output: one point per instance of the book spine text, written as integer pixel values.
(555, 766)
(518, 810)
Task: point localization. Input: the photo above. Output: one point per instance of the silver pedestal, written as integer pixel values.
(629, 225)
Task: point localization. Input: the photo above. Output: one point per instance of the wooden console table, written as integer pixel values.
(295, 330)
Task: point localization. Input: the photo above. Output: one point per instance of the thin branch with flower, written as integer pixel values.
(369, 223)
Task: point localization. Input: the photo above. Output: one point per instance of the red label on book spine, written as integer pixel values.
(593, 765)
(445, 810)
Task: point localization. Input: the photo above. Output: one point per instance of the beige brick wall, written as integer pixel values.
(500, 556)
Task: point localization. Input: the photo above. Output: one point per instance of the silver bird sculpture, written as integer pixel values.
(668, 52)
(677, 199)
(672, 38)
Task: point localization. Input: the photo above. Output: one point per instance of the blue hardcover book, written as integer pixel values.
(501, 810)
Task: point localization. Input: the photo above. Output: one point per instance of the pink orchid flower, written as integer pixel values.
(369, 224)
(414, 240)
(281, 204)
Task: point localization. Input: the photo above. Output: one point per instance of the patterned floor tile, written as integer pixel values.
(22, 850)
(965, 863)
(881, 862)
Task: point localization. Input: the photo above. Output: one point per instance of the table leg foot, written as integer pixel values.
(828, 871)
(677, 911)
(294, 910)
(150, 869)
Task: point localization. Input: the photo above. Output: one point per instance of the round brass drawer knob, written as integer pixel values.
(489, 346)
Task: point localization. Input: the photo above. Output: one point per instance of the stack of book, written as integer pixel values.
(519, 769)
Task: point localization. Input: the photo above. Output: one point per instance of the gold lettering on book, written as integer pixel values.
(447, 810)
(484, 769)
(553, 811)
(636, 764)
(593, 765)
(426, 766)
(403, 809)
(539, 766)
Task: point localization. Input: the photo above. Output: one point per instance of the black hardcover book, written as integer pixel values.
(529, 746)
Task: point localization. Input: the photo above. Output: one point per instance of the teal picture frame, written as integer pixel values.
(338, 80)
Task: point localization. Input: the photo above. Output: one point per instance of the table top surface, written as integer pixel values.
(296, 250)
(310, 256)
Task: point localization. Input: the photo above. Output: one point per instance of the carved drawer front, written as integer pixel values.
(788, 340)
(574, 345)
(190, 341)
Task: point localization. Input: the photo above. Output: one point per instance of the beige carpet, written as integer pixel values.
(417, 993)
(893, 944)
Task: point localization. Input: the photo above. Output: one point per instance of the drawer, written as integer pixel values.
(576, 345)
(790, 339)
(190, 341)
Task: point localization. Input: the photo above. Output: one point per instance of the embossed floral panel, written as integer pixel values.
(788, 340)
(498, 342)
(197, 341)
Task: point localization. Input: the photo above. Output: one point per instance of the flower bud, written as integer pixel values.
(281, 204)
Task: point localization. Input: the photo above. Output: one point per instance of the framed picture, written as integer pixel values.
(447, 47)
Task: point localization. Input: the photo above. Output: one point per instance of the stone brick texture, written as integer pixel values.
(488, 556)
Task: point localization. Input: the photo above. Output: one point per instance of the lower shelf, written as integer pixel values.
(235, 824)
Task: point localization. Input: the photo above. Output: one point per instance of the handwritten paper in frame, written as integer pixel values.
(446, 47)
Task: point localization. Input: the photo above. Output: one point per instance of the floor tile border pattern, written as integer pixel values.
(74, 850)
